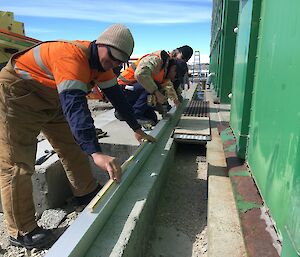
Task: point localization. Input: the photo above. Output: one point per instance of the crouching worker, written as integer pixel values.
(141, 79)
(44, 88)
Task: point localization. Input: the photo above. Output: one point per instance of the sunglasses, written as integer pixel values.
(111, 56)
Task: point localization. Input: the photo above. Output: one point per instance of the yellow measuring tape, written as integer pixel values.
(110, 182)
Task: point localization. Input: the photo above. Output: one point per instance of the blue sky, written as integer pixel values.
(156, 24)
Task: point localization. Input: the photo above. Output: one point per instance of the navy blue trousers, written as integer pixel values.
(137, 98)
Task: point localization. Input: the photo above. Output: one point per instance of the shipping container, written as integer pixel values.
(224, 21)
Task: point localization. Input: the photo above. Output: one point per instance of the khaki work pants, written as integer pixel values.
(26, 108)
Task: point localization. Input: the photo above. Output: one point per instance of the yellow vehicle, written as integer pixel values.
(12, 37)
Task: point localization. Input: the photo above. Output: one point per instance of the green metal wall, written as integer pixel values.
(215, 41)
(274, 142)
(224, 20)
(244, 66)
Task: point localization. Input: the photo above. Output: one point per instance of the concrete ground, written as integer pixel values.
(224, 231)
(181, 220)
(180, 226)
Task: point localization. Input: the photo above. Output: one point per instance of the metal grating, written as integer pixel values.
(197, 108)
(188, 138)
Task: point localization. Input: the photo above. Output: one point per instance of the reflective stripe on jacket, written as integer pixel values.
(63, 65)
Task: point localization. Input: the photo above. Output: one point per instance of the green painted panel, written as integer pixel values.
(244, 66)
(224, 20)
(288, 249)
(216, 27)
(274, 143)
(227, 52)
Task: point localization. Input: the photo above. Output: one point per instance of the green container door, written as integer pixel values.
(225, 14)
(228, 40)
(244, 66)
(215, 41)
(274, 142)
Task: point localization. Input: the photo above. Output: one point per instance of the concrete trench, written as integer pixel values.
(180, 222)
(120, 224)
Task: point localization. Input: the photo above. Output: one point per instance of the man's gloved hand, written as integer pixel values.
(140, 135)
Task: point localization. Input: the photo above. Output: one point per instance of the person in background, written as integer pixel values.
(141, 79)
(209, 79)
(182, 54)
(44, 88)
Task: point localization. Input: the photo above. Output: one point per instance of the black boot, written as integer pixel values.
(38, 238)
(85, 199)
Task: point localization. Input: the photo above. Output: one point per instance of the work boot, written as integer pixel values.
(100, 133)
(86, 199)
(38, 238)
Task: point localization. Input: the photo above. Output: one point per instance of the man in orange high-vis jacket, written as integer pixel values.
(44, 88)
(142, 78)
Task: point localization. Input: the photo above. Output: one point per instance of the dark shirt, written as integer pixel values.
(181, 70)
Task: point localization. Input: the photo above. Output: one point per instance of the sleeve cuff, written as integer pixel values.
(91, 148)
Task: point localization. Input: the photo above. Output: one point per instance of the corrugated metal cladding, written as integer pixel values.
(274, 145)
(243, 75)
(222, 47)
(265, 110)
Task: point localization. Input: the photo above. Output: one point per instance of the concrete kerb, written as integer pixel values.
(258, 232)
(119, 225)
(224, 231)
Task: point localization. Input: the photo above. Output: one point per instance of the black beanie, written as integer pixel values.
(186, 51)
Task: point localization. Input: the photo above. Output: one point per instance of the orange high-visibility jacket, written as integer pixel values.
(62, 65)
(127, 77)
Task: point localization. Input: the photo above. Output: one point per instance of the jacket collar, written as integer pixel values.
(94, 57)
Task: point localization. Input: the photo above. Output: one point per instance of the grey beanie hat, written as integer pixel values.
(120, 39)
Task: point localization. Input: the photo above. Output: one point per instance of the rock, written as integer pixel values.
(52, 218)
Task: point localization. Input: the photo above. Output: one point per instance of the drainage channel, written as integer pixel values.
(180, 224)
(194, 125)
(118, 224)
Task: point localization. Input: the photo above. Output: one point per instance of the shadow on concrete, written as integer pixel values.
(234, 162)
(217, 171)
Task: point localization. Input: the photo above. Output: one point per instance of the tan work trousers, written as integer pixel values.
(26, 108)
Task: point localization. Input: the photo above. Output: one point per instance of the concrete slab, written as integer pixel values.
(105, 118)
(224, 231)
(119, 133)
(188, 94)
